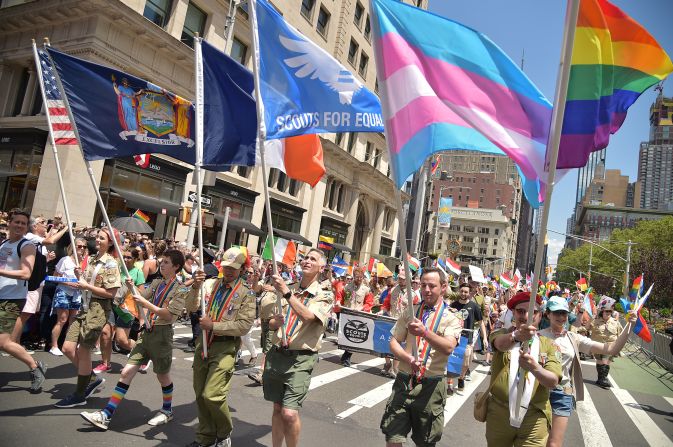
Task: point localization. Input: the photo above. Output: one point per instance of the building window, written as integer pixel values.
(364, 61)
(195, 22)
(495, 252)
(497, 231)
(351, 141)
(368, 28)
(307, 8)
(359, 11)
(339, 138)
(239, 51)
(353, 52)
(244, 171)
(368, 151)
(157, 11)
(323, 21)
(377, 157)
(483, 240)
(483, 251)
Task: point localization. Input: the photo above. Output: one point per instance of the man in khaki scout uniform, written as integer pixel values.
(267, 309)
(99, 283)
(419, 391)
(357, 296)
(288, 368)
(164, 299)
(229, 315)
(533, 430)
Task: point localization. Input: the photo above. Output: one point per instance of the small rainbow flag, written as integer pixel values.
(636, 288)
(142, 216)
(614, 61)
(434, 165)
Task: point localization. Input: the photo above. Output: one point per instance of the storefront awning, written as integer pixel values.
(292, 236)
(341, 247)
(240, 224)
(145, 203)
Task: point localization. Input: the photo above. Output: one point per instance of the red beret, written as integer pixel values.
(522, 297)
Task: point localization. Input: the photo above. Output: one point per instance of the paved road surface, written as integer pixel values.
(343, 408)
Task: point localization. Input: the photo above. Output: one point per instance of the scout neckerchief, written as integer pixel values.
(160, 297)
(423, 313)
(514, 377)
(87, 294)
(220, 302)
(292, 320)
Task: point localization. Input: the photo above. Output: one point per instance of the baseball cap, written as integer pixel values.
(557, 303)
(234, 258)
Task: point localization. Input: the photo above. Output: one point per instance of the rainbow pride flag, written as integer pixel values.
(142, 216)
(445, 86)
(614, 60)
(636, 288)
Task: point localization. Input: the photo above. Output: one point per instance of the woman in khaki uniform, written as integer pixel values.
(99, 283)
(604, 329)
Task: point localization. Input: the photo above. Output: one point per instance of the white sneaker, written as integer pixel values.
(96, 418)
(55, 351)
(96, 351)
(161, 418)
(145, 367)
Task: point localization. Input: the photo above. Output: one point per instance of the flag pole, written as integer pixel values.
(198, 79)
(261, 137)
(96, 190)
(552, 157)
(225, 224)
(52, 140)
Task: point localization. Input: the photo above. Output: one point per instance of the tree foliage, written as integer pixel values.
(651, 254)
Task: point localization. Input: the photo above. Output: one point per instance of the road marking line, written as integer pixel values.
(182, 335)
(669, 400)
(455, 402)
(593, 430)
(654, 436)
(368, 400)
(341, 373)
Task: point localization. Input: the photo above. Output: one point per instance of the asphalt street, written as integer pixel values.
(343, 408)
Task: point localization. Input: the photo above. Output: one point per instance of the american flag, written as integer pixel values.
(61, 126)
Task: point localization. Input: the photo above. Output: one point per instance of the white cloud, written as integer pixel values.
(553, 249)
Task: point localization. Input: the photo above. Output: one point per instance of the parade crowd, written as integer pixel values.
(81, 303)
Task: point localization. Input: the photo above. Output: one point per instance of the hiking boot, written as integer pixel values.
(37, 377)
(98, 419)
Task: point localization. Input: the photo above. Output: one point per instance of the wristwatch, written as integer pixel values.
(287, 295)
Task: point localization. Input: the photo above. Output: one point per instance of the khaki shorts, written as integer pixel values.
(88, 325)
(419, 410)
(33, 299)
(157, 346)
(9, 312)
(287, 376)
(533, 432)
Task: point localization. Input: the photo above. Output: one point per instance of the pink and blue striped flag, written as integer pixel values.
(445, 86)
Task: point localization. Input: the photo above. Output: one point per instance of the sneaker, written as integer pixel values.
(189, 348)
(96, 418)
(467, 375)
(37, 377)
(256, 377)
(29, 351)
(223, 442)
(93, 387)
(145, 367)
(162, 417)
(55, 351)
(252, 362)
(71, 401)
(102, 368)
(461, 384)
(96, 351)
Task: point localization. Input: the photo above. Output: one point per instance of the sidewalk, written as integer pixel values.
(634, 372)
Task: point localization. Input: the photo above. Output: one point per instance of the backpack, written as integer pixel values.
(39, 267)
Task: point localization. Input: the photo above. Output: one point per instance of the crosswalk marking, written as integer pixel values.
(593, 430)
(337, 374)
(368, 400)
(654, 436)
(454, 403)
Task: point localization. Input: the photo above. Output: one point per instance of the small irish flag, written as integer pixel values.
(453, 266)
(285, 251)
(414, 264)
(505, 281)
(142, 216)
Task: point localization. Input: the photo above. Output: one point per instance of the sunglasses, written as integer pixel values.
(81, 246)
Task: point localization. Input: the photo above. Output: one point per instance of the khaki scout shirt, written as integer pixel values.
(308, 336)
(449, 326)
(354, 296)
(550, 359)
(605, 331)
(175, 302)
(108, 276)
(238, 319)
(267, 305)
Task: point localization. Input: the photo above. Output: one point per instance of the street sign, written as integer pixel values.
(206, 201)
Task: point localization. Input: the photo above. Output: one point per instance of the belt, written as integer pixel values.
(225, 338)
(292, 352)
(425, 379)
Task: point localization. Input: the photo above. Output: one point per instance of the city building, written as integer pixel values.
(525, 256)
(612, 189)
(655, 161)
(597, 222)
(594, 168)
(153, 39)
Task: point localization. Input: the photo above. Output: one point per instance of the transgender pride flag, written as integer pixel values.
(445, 86)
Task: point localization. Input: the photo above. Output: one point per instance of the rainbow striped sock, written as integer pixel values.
(117, 396)
(167, 392)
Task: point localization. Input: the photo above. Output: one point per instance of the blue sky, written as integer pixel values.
(535, 27)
